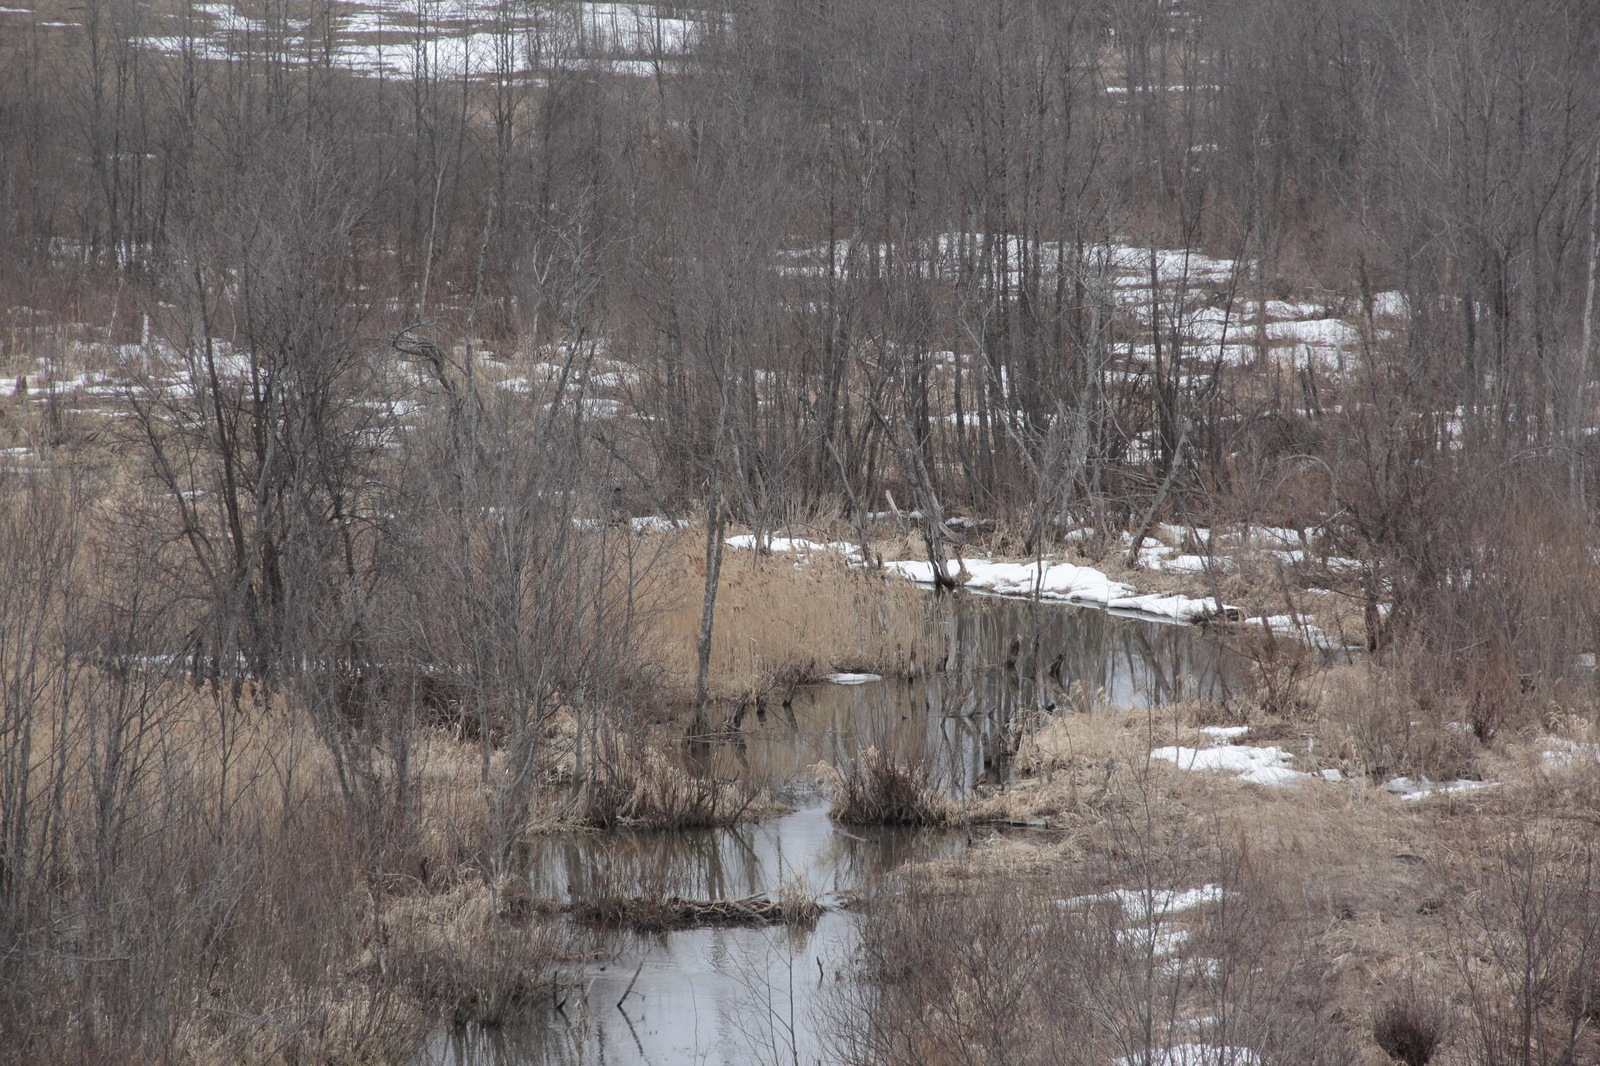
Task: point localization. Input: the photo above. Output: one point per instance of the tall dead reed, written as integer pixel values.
(877, 787)
(783, 620)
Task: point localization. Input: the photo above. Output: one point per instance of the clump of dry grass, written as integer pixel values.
(876, 788)
(1369, 717)
(1409, 1027)
(780, 619)
(471, 954)
(648, 789)
(657, 914)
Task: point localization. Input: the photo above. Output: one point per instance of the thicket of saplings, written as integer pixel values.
(306, 624)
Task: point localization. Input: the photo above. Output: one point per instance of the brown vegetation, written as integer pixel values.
(656, 914)
(346, 416)
(880, 787)
(781, 622)
(1455, 930)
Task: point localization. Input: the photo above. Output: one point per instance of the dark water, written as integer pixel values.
(760, 995)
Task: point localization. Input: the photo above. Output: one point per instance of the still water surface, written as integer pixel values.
(743, 995)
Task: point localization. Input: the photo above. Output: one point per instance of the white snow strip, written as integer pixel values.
(1225, 732)
(1194, 1055)
(1195, 564)
(1232, 758)
(1407, 789)
(794, 545)
(1139, 904)
(1056, 581)
(1160, 943)
(1391, 305)
(1176, 607)
(1259, 766)
(1275, 777)
(1563, 754)
(851, 679)
(1051, 580)
(655, 523)
(1318, 333)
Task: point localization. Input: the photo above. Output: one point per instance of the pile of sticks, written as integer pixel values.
(652, 914)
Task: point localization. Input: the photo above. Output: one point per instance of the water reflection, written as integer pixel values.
(802, 848)
(995, 665)
(702, 995)
(750, 995)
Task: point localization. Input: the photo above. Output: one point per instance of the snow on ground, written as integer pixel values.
(1194, 1055)
(1561, 754)
(1407, 789)
(1139, 905)
(1316, 333)
(794, 545)
(459, 38)
(851, 679)
(1056, 581)
(1175, 607)
(654, 523)
(1391, 305)
(1053, 581)
(1296, 626)
(1261, 766)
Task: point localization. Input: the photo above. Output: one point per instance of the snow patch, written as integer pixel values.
(1561, 754)
(1140, 904)
(1421, 789)
(1176, 607)
(851, 679)
(1259, 766)
(1194, 1055)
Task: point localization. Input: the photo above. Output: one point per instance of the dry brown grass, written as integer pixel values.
(1381, 896)
(778, 623)
(878, 787)
(472, 954)
(1380, 726)
(649, 789)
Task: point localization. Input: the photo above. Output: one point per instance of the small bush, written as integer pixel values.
(462, 960)
(1371, 719)
(1409, 1028)
(878, 789)
(651, 791)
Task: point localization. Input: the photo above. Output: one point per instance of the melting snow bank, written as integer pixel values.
(851, 679)
(1561, 754)
(1063, 582)
(1053, 581)
(1177, 608)
(1408, 789)
(1069, 583)
(1260, 766)
(1295, 626)
(795, 545)
(1194, 1055)
(1140, 905)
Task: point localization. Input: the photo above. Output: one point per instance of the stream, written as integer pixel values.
(760, 995)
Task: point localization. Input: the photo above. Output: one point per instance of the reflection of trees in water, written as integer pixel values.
(699, 864)
(559, 1041)
(961, 712)
(1136, 663)
(988, 667)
